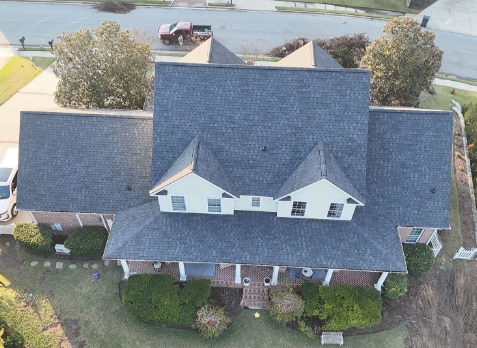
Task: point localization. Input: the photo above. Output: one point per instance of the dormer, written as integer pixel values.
(318, 189)
(195, 183)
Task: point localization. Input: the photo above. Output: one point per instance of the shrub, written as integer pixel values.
(158, 299)
(348, 50)
(211, 320)
(419, 258)
(289, 47)
(87, 241)
(38, 238)
(342, 307)
(285, 305)
(11, 338)
(395, 285)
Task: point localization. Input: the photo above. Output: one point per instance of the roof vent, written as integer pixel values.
(433, 190)
(264, 148)
(128, 187)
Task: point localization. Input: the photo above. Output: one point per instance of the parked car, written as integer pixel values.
(8, 184)
(171, 32)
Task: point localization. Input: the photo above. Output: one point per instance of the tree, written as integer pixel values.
(403, 63)
(102, 68)
(348, 50)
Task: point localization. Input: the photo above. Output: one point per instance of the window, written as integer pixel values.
(178, 203)
(335, 210)
(298, 209)
(214, 205)
(414, 235)
(57, 227)
(255, 201)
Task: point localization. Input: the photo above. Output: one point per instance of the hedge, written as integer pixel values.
(342, 307)
(419, 258)
(38, 238)
(395, 285)
(285, 305)
(87, 241)
(10, 337)
(157, 298)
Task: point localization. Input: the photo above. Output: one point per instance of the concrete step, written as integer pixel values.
(255, 304)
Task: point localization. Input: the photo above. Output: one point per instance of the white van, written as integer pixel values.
(8, 184)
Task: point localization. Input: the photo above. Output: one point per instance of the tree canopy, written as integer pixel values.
(403, 62)
(102, 68)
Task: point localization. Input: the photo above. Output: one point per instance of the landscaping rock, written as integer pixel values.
(94, 266)
(106, 262)
(33, 263)
(85, 265)
(72, 265)
(59, 265)
(7, 243)
(47, 264)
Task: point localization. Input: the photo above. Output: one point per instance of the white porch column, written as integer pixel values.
(327, 280)
(238, 275)
(125, 269)
(183, 277)
(381, 280)
(275, 275)
(104, 222)
(79, 220)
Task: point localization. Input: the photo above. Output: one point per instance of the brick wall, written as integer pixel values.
(405, 231)
(69, 221)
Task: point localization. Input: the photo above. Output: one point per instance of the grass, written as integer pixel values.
(359, 14)
(220, 4)
(92, 309)
(34, 48)
(387, 5)
(469, 82)
(18, 72)
(442, 99)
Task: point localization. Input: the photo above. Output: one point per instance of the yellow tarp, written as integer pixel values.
(4, 281)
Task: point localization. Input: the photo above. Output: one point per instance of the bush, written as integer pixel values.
(87, 241)
(157, 298)
(38, 238)
(289, 47)
(211, 320)
(343, 307)
(11, 338)
(395, 285)
(419, 258)
(285, 305)
(348, 50)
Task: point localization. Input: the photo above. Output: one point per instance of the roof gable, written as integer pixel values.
(309, 56)
(211, 52)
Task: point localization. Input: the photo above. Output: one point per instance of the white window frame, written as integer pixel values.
(57, 227)
(332, 212)
(209, 206)
(300, 206)
(179, 205)
(255, 202)
(418, 236)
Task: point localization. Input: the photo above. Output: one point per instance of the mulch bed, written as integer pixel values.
(114, 6)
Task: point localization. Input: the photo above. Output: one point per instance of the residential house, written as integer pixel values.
(283, 169)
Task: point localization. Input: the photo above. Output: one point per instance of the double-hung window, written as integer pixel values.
(256, 202)
(414, 235)
(178, 203)
(214, 205)
(335, 210)
(298, 209)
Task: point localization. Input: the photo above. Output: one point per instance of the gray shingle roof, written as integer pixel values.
(219, 54)
(310, 55)
(319, 164)
(84, 162)
(237, 110)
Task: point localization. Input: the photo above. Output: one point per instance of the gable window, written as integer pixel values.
(298, 209)
(256, 202)
(214, 205)
(414, 235)
(335, 210)
(178, 203)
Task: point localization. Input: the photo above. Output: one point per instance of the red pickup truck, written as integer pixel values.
(170, 32)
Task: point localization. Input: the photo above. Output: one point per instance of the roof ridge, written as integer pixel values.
(209, 48)
(195, 154)
(321, 151)
(312, 55)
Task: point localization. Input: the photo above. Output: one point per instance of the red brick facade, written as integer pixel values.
(71, 221)
(426, 234)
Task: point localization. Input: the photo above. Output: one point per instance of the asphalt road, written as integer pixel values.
(237, 30)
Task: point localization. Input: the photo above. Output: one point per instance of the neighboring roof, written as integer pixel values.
(197, 159)
(211, 52)
(144, 233)
(309, 56)
(409, 165)
(239, 110)
(84, 161)
(319, 164)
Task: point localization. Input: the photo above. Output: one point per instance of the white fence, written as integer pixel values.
(6, 229)
(465, 254)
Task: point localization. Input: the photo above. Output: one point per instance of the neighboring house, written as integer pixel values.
(286, 167)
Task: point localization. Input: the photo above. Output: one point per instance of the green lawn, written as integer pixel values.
(359, 14)
(92, 310)
(442, 99)
(389, 5)
(18, 72)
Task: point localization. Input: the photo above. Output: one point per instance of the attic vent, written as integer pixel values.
(264, 148)
(129, 187)
(433, 190)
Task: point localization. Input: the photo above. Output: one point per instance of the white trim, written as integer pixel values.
(104, 222)
(327, 280)
(183, 276)
(33, 217)
(275, 275)
(238, 275)
(110, 223)
(79, 220)
(417, 240)
(125, 268)
(381, 280)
